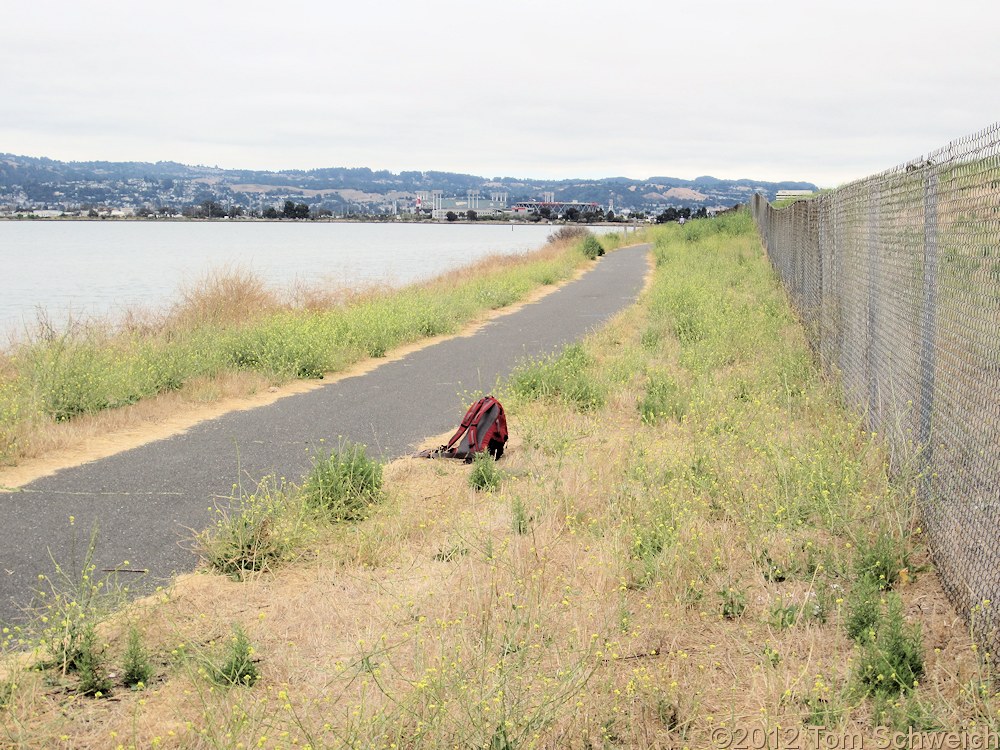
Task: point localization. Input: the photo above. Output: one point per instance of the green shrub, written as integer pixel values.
(136, 667)
(591, 247)
(89, 665)
(892, 663)
(344, 485)
(485, 476)
(239, 666)
(864, 610)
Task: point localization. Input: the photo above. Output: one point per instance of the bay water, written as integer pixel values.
(72, 270)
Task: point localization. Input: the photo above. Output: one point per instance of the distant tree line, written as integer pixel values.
(673, 214)
(212, 209)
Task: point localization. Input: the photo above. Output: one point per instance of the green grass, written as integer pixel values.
(485, 476)
(565, 377)
(344, 485)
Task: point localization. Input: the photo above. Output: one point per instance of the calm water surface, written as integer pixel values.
(80, 269)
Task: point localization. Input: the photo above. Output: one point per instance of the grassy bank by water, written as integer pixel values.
(688, 543)
(232, 334)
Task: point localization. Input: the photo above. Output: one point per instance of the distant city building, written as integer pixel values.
(495, 205)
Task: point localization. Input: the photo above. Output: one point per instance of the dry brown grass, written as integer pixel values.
(224, 297)
(434, 622)
(440, 622)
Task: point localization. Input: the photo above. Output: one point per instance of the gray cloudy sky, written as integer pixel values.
(819, 91)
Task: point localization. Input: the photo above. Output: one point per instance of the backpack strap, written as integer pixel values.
(485, 404)
(468, 420)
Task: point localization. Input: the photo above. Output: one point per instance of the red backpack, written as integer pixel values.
(483, 428)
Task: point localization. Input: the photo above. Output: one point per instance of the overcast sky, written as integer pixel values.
(825, 92)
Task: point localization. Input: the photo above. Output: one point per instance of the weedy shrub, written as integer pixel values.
(89, 665)
(568, 232)
(519, 516)
(882, 559)
(565, 377)
(783, 614)
(449, 554)
(892, 663)
(864, 610)
(253, 532)
(500, 740)
(647, 542)
(67, 611)
(663, 398)
(8, 689)
(11, 407)
(224, 297)
(343, 485)
(651, 338)
(905, 712)
(815, 481)
(734, 603)
(591, 247)
(136, 666)
(286, 345)
(771, 656)
(238, 666)
(485, 476)
(824, 707)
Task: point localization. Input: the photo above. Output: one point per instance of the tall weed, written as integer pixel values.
(892, 663)
(70, 604)
(254, 531)
(344, 485)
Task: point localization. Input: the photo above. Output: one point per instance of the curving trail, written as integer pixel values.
(146, 500)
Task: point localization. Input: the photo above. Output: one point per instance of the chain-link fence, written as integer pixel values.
(897, 279)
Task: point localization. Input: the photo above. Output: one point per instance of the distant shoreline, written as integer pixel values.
(325, 220)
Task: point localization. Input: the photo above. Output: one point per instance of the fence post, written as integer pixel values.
(873, 350)
(928, 316)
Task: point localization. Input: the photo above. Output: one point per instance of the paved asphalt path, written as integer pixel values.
(147, 500)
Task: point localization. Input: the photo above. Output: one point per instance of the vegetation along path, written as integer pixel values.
(146, 501)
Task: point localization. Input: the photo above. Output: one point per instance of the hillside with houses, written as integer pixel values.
(46, 187)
